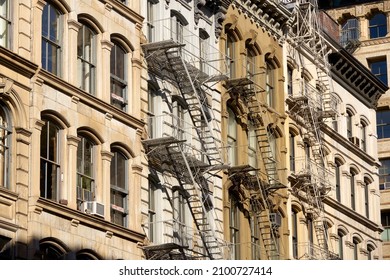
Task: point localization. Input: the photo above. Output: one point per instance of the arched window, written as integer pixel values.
(230, 52)
(349, 31)
(352, 187)
(370, 250)
(86, 58)
(363, 135)
(367, 183)
(232, 137)
(349, 125)
(119, 188)
(177, 26)
(250, 63)
(5, 23)
(51, 39)
(50, 161)
(355, 242)
(118, 80)
(341, 235)
(85, 171)
(5, 142)
(52, 249)
(270, 84)
(294, 224)
(338, 180)
(377, 26)
(292, 151)
(252, 145)
(234, 225)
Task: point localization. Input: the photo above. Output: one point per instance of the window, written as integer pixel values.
(150, 18)
(289, 81)
(179, 215)
(383, 124)
(377, 26)
(234, 222)
(270, 80)
(232, 138)
(119, 191)
(363, 136)
(367, 197)
(352, 183)
(294, 221)
(250, 63)
(179, 118)
(349, 31)
(384, 174)
(152, 110)
(292, 152)
(177, 30)
(50, 161)
(340, 235)
(310, 233)
(338, 181)
(51, 45)
(230, 56)
(349, 125)
(355, 248)
(5, 141)
(152, 210)
(86, 65)
(252, 144)
(5, 23)
(255, 237)
(85, 171)
(370, 250)
(385, 221)
(378, 67)
(118, 84)
(204, 44)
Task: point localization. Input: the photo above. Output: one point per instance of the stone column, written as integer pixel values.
(72, 71)
(104, 193)
(71, 179)
(105, 82)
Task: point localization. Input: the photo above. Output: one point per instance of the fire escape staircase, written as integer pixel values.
(306, 35)
(165, 59)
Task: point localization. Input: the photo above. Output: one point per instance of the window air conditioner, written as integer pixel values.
(275, 219)
(93, 208)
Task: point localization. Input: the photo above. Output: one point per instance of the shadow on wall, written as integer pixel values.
(48, 248)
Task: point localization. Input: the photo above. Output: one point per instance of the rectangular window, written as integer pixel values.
(232, 138)
(349, 32)
(252, 144)
(270, 85)
(234, 222)
(150, 20)
(5, 141)
(378, 26)
(338, 182)
(289, 81)
(86, 59)
(85, 172)
(51, 49)
(118, 73)
(383, 124)
(353, 204)
(292, 152)
(384, 174)
(118, 186)
(5, 23)
(255, 237)
(385, 220)
(378, 67)
(294, 220)
(152, 211)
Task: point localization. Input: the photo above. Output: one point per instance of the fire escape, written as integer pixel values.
(310, 106)
(173, 58)
(263, 179)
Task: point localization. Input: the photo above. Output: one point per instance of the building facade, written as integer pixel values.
(71, 130)
(363, 30)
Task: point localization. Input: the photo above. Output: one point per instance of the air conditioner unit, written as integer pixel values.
(275, 219)
(93, 208)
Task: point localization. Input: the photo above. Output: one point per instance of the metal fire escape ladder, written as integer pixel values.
(168, 63)
(307, 36)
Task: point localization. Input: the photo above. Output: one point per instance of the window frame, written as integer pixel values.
(7, 18)
(81, 174)
(349, 31)
(338, 173)
(6, 143)
(234, 226)
(378, 67)
(270, 83)
(86, 84)
(119, 101)
(353, 188)
(232, 137)
(48, 42)
(45, 161)
(385, 165)
(377, 23)
(122, 209)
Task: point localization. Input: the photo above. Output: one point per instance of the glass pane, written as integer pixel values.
(3, 32)
(45, 21)
(53, 134)
(44, 141)
(54, 21)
